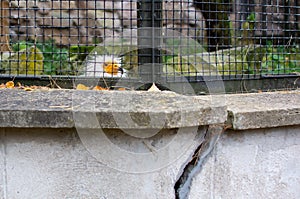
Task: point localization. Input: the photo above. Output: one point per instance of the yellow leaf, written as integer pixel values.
(28, 61)
(10, 84)
(81, 87)
(19, 84)
(99, 88)
(121, 89)
(35, 64)
(28, 89)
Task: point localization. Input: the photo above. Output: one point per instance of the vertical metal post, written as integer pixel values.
(149, 39)
(297, 25)
(264, 18)
(289, 31)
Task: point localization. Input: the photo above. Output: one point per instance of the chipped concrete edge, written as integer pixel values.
(263, 110)
(20, 109)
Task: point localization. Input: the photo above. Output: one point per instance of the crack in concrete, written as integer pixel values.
(183, 184)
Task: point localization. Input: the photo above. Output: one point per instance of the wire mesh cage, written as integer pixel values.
(150, 41)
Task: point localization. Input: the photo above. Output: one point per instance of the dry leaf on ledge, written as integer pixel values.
(28, 89)
(10, 84)
(122, 89)
(82, 87)
(99, 88)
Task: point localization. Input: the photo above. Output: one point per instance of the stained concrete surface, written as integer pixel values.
(263, 163)
(60, 108)
(53, 163)
(70, 108)
(263, 110)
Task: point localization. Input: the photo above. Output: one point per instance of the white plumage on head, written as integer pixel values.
(104, 66)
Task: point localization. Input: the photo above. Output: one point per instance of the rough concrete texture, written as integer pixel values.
(111, 109)
(263, 163)
(53, 163)
(67, 163)
(146, 110)
(263, 110)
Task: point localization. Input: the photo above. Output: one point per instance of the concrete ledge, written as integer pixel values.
(113, 109)
(263, 110)
(145, 110)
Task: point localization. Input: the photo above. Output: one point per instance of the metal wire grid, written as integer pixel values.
(150, 39)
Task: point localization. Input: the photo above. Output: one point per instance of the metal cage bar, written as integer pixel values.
(149, 38)
(144, 41)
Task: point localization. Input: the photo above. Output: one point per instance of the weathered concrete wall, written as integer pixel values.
(53, 146)
(68, 143)
(262, 163)
(53, 163)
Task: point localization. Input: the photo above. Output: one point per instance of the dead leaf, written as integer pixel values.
(10, 84)
(35, 87)
(121, 89)
(99, 88)
(28, 89)
(19, 85)
(44, 88)
(82, 87)
(2, 85)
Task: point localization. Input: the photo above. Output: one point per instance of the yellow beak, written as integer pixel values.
(112, 68)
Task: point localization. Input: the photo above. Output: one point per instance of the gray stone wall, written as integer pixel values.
(53, 163)
(87, 22)
(262, 163)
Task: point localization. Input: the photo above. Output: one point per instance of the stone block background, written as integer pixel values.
(71, 22)
(87, 22)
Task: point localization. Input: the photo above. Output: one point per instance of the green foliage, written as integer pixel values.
(32, 61)
(183, 46)
(178, 65)
(55, 60)
(179, 57)
(251, 17)
(248, 30)
(28, 60)
(281, 60)
(79, 53)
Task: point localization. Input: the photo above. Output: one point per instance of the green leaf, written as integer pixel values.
(275, 57)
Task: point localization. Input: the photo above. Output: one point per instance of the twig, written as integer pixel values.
(289, 42)
(53, 81)
(295, 82)
(105, 82)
